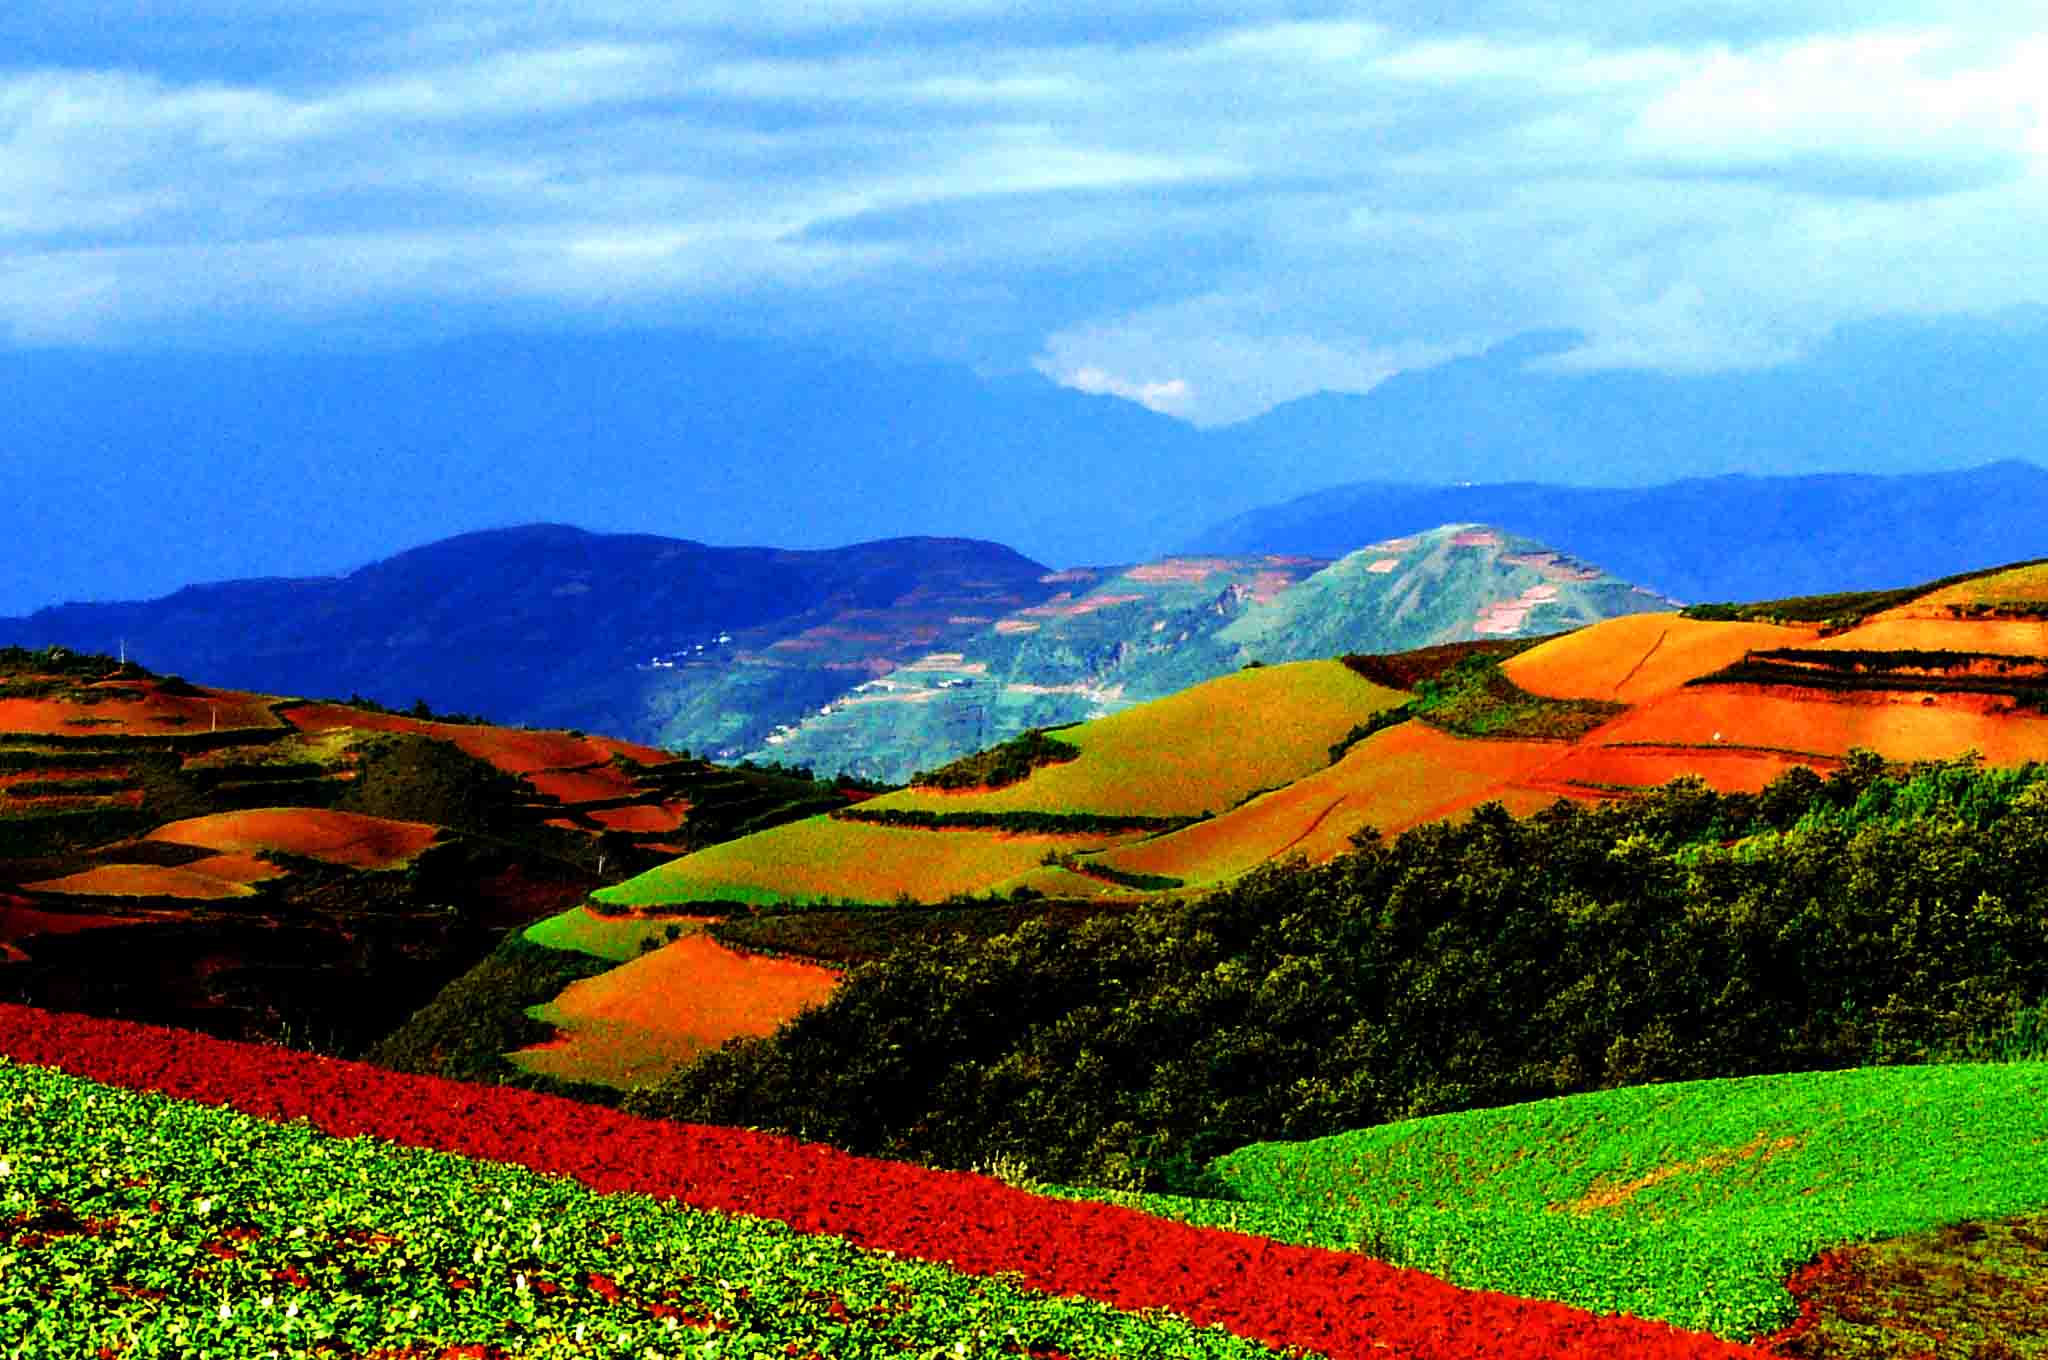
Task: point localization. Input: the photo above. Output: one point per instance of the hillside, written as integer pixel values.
(669, 642)
(1111, 640)
(256, 866)
(1798, 534)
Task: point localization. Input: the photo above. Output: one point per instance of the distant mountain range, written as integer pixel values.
(260, 464)
(1715, 538)
(876, 660)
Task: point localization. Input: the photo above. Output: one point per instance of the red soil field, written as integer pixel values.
(1343, 1306)
(644, 817)
(236, 867)
(345, 838)
(142, 880)
(1640, 656)
(63, 775)
(1899, 726)
(644, 1019)
(583, 786)
(155, 714)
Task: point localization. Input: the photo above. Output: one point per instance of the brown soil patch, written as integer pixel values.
(1012, 627)
(142, 880)
(1475, 538)
(512, 749)
(344, 838)
(1615, 1195)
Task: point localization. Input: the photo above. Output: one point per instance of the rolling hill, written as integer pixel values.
(269, 867)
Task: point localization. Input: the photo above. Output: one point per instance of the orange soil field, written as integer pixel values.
(236, 867)
(156, 714)
(1196, 751)
(1728, 769)
(63, 775)
(511, 749)
(637, 1023)
(1897, 632)
(1392, 780)
(1639, 656)
(646, 817)
(823, 858)
(344, 838)
(1899, 726)
(143, 880)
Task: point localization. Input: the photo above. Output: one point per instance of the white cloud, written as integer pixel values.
(1204, 208)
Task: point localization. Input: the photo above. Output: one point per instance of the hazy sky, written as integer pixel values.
(1208, 207)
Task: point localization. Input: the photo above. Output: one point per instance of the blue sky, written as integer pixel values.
(1206, 207)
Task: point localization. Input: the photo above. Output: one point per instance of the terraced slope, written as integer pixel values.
(1114, 639)
(269, 867)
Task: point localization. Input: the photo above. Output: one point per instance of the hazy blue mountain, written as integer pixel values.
(553, 626)
(1115, 638)
(1719, 538)
(314, 463)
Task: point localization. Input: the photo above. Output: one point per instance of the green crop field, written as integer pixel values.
(1691, 1202)
(826, 859)
(147, 1226)
(1197, 751)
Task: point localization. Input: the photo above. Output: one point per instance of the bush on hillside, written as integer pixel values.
(1876, 915)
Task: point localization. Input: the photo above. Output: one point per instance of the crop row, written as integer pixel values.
(1687, 1201)
(1330, 1302)
(132, 1225)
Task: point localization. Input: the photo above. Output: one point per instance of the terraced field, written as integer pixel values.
(825, 859)
(1195, 752)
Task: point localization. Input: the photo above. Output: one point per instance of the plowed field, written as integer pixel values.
(143, 880)
(641, 1021)
(1392, 780)
(154, 714)
(1899, 726)
(823, 858)
(1640, 656)
(1200, 750)
(344, 838)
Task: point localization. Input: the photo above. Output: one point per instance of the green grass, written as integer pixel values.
(1690, 1202)
(619, 939)
(154, 1227)
(1475, 699)
(1191, 753)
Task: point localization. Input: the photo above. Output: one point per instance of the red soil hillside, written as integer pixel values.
(130, 707)
(644, 1019)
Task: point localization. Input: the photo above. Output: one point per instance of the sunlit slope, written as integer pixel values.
(1690, 1202)
(1459, 582)
(1392, 780)
(826, 858)
(1197, 751)
(1641, 656)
